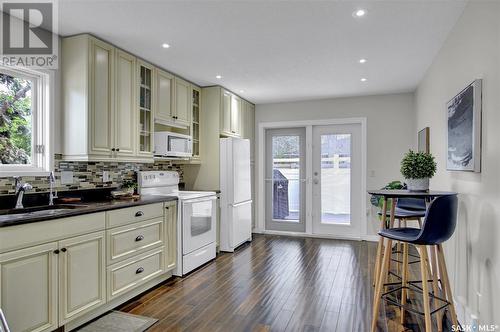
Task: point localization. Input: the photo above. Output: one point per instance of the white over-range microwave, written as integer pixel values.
(169, 144)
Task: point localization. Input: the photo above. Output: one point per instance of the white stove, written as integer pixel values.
(196, 218)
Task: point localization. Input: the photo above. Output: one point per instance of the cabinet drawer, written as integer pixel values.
(133, 214)
(125, 276)
(126, 241)
(27, 235)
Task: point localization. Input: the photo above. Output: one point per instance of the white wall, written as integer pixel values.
(390, 130)
(471, 51)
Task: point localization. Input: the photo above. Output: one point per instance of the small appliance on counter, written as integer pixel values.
(236, 193)
(196, 218)
(170, 144)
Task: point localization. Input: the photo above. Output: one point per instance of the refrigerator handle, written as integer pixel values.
(242, 203)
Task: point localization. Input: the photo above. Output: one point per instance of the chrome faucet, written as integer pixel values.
(21, 188)
(52, 182)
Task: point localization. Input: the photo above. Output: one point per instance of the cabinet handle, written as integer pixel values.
(117, 150)
(63, 249)
(113, 149)
(139, 214)
(56, 251)
(139, 238)
(166, 207)
(139, 270)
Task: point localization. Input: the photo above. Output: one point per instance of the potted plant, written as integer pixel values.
(129, 186)
(417, 168)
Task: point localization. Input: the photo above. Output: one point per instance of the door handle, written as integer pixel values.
(315, 181)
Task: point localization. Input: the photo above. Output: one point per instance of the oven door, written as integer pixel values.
(198, 223)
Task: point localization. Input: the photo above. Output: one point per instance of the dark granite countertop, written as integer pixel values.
(7, 218)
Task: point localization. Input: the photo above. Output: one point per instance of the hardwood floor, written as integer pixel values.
(275, 283)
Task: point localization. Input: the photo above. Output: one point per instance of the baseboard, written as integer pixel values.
(370, 238)
(467, 317)
(301, 234)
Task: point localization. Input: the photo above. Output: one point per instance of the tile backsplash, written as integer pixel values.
(88, 175)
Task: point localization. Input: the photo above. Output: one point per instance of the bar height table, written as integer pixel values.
(393, 195)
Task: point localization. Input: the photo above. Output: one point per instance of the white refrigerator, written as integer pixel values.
(236, 194)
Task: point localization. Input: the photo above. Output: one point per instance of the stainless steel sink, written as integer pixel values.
(38, 210)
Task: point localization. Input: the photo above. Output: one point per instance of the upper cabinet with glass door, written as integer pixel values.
(195, 120)
(146, 95)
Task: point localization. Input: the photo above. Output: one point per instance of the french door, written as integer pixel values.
(285, 179)
(326, 197)
(336, 180)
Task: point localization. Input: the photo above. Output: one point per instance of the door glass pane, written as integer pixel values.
(286, 178)
(336, 179)
(145, 117)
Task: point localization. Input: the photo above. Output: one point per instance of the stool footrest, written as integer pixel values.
(400, 262)
(386, 297)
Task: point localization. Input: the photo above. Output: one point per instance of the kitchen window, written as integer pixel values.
(25, 122)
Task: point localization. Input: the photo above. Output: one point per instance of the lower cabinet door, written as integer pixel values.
(82, 275)
(28, 288)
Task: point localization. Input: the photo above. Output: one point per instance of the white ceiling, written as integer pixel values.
(276, 50)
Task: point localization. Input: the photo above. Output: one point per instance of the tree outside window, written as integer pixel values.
(15, 120)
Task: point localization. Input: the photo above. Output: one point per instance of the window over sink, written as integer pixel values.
(25, 122)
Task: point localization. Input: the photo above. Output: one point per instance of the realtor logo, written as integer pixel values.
(29, 36)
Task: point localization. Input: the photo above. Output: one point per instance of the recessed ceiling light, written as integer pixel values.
(218, 77)
(165, 45)
(359, 13)
(363, 79)
(241, 91)
(362, 60)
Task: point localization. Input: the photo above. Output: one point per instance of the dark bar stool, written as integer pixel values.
(407, 209)
(438, 226)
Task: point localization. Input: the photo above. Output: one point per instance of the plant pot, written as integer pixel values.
(417, 184)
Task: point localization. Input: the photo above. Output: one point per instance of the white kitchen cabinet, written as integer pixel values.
(235, 115)
(230, 115)
(125, 118)
(66, 271)
(99, 102)
(82, 275)
(28, 288)
(164, 97)
(101, 97)
(183, 99)
(225, 114)
(248, 125)
(170, 218)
